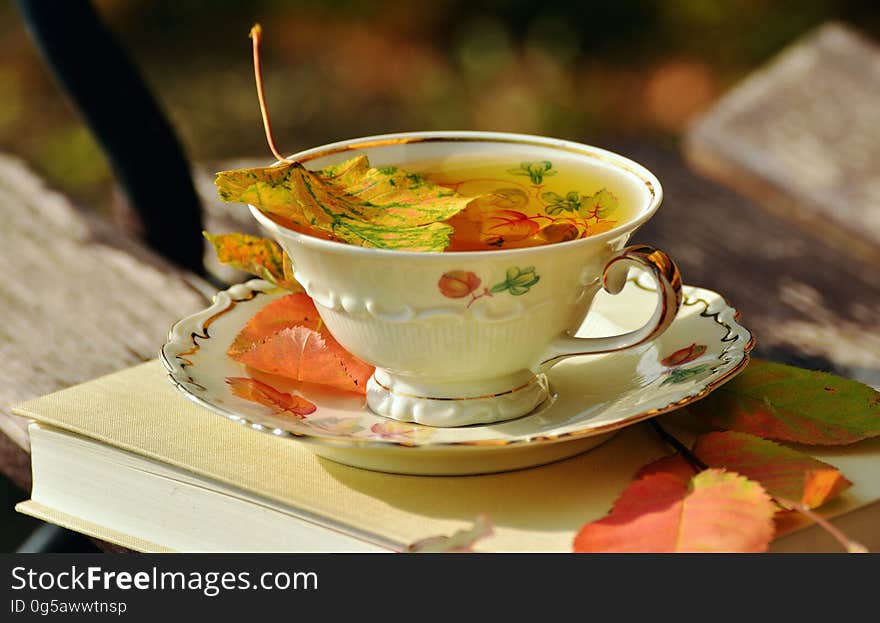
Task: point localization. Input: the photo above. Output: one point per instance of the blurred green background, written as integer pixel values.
(342, 68)
(335, 69)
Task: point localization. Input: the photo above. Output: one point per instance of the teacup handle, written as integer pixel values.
(668, 280)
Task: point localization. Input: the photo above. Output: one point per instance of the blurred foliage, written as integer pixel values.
(342, 68)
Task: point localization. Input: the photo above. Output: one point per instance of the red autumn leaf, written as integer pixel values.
(457, 284)
(716, 511)
(684, 355)
(672, 465)
(288, 338)
(783, 472)
(268, 396)
(791, 513)
(776, 401)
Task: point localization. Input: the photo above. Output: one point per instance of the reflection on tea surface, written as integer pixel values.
(523, 203)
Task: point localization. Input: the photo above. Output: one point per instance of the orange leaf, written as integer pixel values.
(288, 311)
(288, 338)
(716, 511)
(268, 396)
(783, 472)
(673, 465)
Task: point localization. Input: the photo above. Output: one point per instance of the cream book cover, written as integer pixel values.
(539, 509)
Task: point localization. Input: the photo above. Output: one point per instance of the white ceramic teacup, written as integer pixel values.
(443, 356)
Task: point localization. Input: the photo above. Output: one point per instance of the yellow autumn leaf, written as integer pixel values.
(258, 256)
(384, 207)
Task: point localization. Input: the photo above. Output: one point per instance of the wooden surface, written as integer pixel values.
(78, 300)
(802, 136)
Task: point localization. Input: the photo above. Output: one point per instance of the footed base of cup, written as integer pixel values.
(455, 404)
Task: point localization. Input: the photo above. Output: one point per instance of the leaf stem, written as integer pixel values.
(848, 544)
(256, 35)
(673, 441)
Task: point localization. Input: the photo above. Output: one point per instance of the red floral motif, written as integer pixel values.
(684, 355)
(457, 284)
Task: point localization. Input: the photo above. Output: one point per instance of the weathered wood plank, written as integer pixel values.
(802, 136)
(15, 463)
(78, 299)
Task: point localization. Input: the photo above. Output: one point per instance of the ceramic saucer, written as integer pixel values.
(590, 396)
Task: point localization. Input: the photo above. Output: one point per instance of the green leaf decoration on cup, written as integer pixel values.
(556, 203)
(680, 375)
(518, 281)
(458, 284)
(597, 206)
(536, 171)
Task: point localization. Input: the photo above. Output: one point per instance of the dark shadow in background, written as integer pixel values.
(109, 93)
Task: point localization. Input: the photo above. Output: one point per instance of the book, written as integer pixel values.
(167, 508)
(127, 459)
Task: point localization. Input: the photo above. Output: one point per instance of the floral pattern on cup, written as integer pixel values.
(536, 171)
(556, 203)
(681, 357)
(457, 284)
(515, 214)
(399, 431)
(680, 375)
(518, 281)
(684, 355)
(338, 425)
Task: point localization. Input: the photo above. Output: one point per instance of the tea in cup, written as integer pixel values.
(463, 336)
